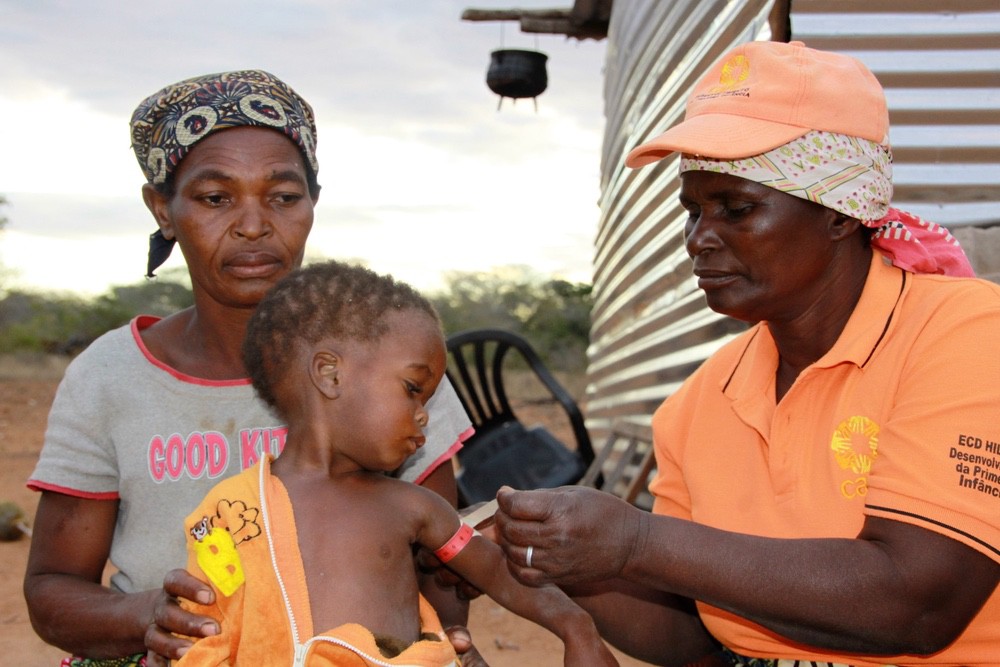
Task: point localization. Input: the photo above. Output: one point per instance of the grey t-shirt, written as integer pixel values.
(126, 426)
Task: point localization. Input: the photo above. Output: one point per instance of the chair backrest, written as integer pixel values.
(505, 450)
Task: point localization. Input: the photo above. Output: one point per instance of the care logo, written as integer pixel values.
(734, 72)
(855, 447)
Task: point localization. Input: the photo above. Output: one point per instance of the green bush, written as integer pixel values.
(61, 324)
(554, 315)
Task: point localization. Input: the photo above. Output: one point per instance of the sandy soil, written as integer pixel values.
(26, 391)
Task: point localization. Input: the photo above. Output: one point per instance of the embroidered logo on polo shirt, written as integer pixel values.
(855, 446)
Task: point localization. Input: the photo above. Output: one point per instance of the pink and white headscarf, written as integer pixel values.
(851, 176)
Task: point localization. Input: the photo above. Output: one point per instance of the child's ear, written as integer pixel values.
(325, 373)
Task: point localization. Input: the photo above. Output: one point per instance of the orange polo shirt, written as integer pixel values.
(900, 420)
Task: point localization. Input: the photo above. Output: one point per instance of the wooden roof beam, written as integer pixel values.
(587, 20)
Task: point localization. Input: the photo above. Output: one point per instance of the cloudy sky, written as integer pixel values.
(421, 173)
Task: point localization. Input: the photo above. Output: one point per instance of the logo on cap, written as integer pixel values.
(734, 72)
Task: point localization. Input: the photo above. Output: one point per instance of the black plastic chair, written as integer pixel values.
(505, 451)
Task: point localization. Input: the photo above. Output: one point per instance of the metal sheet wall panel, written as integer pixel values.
(650, 327)
(939, 62)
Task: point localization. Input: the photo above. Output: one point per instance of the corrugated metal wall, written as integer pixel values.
(650, 327)
(940, 63)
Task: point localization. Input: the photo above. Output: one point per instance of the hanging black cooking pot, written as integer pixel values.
(517, 73)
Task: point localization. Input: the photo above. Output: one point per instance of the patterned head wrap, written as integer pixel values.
(852, 176)
(169, 122)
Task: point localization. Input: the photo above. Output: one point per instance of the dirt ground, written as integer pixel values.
(26, 391)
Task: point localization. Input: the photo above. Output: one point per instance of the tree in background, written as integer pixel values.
(560, 323)
(553, 315)
(3, 223)
(65, 324)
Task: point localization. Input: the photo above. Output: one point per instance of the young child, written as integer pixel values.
(311, 554)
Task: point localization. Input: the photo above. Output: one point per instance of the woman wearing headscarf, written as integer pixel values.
(154, 414)
(828, 482)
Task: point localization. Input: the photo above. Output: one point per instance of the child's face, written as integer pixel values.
(385, 394)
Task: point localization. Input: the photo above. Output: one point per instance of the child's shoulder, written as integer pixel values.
(394, 485)
(411, 497)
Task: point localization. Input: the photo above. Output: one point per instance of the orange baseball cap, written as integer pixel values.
(761, 95)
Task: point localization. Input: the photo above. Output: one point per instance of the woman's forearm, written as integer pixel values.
(86, 618)
(877, 594)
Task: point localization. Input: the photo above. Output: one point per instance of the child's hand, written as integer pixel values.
(461, 640)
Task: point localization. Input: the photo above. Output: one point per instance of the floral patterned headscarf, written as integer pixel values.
(170, 121)
(852, 176)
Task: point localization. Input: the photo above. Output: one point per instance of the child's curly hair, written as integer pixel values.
(327, 299)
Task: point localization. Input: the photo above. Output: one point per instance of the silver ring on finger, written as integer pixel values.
(527, 557)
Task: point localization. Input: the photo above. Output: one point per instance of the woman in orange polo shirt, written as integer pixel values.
(828, 483)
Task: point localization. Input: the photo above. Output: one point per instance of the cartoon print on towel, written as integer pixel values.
(216, 538)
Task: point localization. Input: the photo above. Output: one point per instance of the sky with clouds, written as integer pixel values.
(421, 173)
